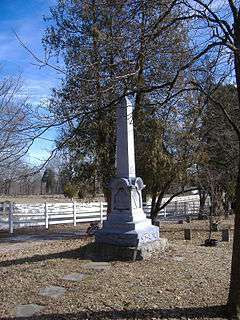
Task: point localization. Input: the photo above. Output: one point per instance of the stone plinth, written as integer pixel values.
(109, 252)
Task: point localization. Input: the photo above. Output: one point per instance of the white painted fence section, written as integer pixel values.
(19, 215)
(45, 214)
(179, 208)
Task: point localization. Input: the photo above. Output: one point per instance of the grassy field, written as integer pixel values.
(189, 281)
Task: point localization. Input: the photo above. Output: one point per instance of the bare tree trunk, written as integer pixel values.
(202, 201)
(234, 291)
(153, 213)
(227, 205)
(41, 188)
(210, 223)
(8, 187)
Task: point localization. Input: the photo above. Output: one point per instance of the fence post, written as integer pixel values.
(186, 208)
(101, 212)
(74, 214)
(46, 215)
(4, 207)
(165, 212)
(176, 208)
(10, 218)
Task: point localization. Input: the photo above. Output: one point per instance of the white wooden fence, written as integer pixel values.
(179, 208)
(17, 215)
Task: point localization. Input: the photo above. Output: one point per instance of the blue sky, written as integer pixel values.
(25, 17)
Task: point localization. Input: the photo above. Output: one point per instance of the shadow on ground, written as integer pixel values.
(79, 253)
(42, 237)
(175, 313)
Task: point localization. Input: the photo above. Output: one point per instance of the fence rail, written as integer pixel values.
(18, 215)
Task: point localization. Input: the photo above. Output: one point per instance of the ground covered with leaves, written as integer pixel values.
(189, 281)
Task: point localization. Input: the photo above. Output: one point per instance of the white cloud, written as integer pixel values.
(38, 89)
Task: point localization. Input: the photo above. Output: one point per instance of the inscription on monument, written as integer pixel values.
(121, 199)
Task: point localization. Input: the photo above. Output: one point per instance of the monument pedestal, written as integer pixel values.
(127, 234)
(127, 224)
(133, 238)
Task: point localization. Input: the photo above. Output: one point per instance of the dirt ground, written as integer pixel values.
(189, 281)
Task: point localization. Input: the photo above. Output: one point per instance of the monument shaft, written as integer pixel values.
(125, 141)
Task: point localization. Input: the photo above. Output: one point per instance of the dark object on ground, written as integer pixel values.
(202, 216)
(94, 226)
(180, 221)
(211, 243)
(215, 226)
(226, 236)
(187, 234)
(188, 219)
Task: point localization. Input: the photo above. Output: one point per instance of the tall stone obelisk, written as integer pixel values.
(126, 225)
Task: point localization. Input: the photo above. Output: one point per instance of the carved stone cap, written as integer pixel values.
(135, 183)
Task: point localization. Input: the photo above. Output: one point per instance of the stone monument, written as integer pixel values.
(127, 228)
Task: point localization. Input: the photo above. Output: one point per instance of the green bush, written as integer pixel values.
(70, 190)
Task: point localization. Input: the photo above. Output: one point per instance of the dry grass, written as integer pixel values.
(189, 281)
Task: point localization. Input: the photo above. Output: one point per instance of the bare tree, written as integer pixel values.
(18, 130)
(216, 31)
(14, 121)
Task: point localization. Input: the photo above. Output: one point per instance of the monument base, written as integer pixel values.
(134, 237)
(108, 252)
